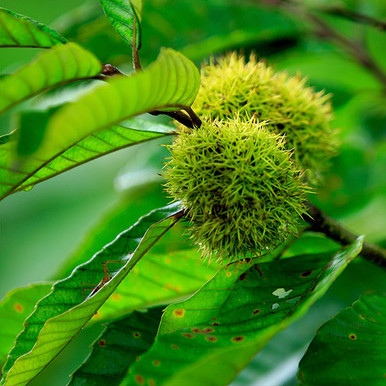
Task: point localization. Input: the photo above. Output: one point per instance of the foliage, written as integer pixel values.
(355, 333)
(248, 144)
(20, 31)
(122, 15)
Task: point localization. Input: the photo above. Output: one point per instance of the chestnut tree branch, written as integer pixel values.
(354, 48)
(320, 222)
(354, 16)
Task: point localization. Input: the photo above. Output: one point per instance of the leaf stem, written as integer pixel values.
(195, 119)
(136, 62)
(320, 222)
(177, 115)
(108, 70)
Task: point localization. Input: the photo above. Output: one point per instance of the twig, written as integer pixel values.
(357, 50)
(320, 222)
(195, 119)
(354, 16)
(136, 62)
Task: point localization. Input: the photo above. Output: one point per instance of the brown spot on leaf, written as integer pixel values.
(139, 379)
(156, 362)
(175, 346)
(179, 313)
(211, 338)
(215, 324)
(136, 334)
(116, 296)
(306, 273)
(256, 311)
(187, 335)
(238, 339)
(18, 307)
(196, 330)
(353, 337)
(102, 342)
(207, 330)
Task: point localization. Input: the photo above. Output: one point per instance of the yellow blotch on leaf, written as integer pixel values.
(179, 313)
(18, 308)
(116, 296)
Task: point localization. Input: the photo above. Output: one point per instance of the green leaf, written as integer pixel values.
(16, 176)
(282, 354)
(64, 312)
(171, 81)
(128, 209)
(158, 279)
(31, 131)
(168, 274)
(121, 14)
(5, 138)
(118, 347)
(14, 308)
(350, 348)
(210, 337)
(20, 31)
(60, 64)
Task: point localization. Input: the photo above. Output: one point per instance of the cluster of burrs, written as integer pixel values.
(243, 176)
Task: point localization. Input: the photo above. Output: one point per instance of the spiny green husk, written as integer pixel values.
(240, 189)
(231, 86)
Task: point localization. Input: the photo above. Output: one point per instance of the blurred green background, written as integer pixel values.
(40, 228)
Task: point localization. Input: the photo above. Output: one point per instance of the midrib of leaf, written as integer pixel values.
(39, 343)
